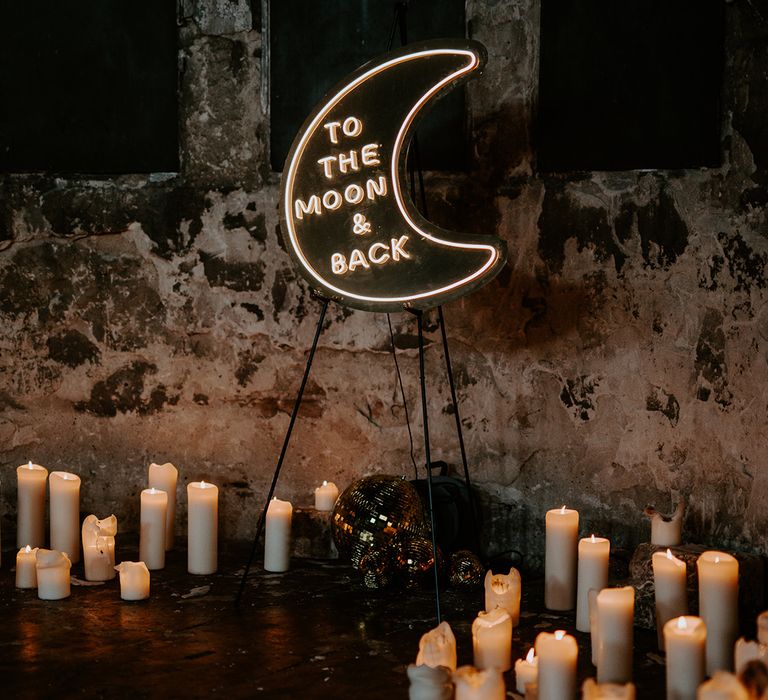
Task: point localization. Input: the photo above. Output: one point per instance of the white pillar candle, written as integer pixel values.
(685, 639)
(557, 653)
(745, 652)
(65, 514)
(26, 567)
(277, 536)
(504, 591)
(719, 607)
(99, 547)
(594, 553)
(594, 632)
(30, 518)
(562, 532)
(615, 623)
(428, 683)
(475, 684)
(202, 528)
(52, 574)
(134, 580)
(668, 531)
(154, 504)
(671, 585)
(526, 671)
(164, 477)
(438, 648)
(492, 640)
(591, 690)
(326, 495)
(722, 686)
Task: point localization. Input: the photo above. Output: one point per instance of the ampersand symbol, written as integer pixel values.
(361, 226)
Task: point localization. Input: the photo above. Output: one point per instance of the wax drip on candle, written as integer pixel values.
(559, 634)
(681, 623)
(530, 656)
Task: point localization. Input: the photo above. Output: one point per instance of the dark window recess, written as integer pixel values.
(88, 86)
(630, 84)
(315, 45)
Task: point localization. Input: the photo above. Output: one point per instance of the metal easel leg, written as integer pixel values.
(276, 476)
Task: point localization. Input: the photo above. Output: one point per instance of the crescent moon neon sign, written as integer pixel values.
(354, 234)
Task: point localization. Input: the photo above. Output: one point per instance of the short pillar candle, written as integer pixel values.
(164, 478)
(30, 518)
(504, 591)
(562, 533)
(685, 639)
(479, 684)
(52, 574)
(26, 567)
(594, 554)
(99, 547)
(526, 671)
(438, 648)
(202, 528)
(326, 496)
(492, 640)
(719, 607)
(134, 580)
(154, 504)
(65, 514)
(558, 653)
(277, 536)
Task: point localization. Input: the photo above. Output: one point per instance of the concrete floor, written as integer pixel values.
(310, 633)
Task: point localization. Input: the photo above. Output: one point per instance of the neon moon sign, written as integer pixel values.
(354, 233)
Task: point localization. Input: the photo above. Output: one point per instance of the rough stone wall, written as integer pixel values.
(619, 360)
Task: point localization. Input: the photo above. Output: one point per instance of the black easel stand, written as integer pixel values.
(276, 476)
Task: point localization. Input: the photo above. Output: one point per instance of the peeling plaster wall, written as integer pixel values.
(619, 360)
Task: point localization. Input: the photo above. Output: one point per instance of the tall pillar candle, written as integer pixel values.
(719, 607)
(154, 504)
(65, 514)
(479, 684)
(685, 638)
(326, 496)
(526, 671)
(134, 580)
(277, 536)
(202, 528)
(99, 548)
(562, 533)
(557, 653)
(594, 554)
(52, 574)
(30, 518)
(429, 683)
(26, 567)
(504, 591)
(438, 648)
(492, 640)
(615, 623)
(164, 478)
(671, 585)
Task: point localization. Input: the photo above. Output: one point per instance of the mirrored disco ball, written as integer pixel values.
(371, 511)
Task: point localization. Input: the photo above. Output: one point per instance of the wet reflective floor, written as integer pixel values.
(313, 632)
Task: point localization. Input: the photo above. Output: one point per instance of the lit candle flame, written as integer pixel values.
(325, 483)
(202, 483)
(559, 634)
(717, 560)
(669, 554)
(562, 510)
(593, 538)
(30, 466)
(27, 549)
(682, 624)
(531, 656)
